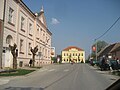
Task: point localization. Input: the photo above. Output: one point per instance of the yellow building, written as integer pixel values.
(73, 54)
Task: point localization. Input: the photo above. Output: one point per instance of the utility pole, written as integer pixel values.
(96, 48)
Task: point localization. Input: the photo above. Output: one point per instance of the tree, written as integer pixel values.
(15, 54)
(34, 51)
(100, 46)
(54, 59)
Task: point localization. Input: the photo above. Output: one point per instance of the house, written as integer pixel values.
(112, 50)
(27, 30)
(116, 51)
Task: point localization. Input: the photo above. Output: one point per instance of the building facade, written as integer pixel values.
(112, 51)
(73, 54)
(27, 30)
(2, 3)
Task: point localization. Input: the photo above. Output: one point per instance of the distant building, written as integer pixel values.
(26, 29)
(73, 54)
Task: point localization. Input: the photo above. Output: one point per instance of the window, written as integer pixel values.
(10, 19)
(81, 54)
(40, 49)
(37, 28)
(48, 54)
(30, 29)
(21, 46)
(43, 52)
(22, 23)
(37, 32)
(64, 54)
(43, 36)
(9, 40)
(29, 47)
(67, 54)
(76, 54)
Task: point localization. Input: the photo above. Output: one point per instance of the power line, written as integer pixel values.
(108, 29)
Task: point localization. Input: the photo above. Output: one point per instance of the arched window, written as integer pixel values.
(73, 54)
(9, 40)
(81, 54)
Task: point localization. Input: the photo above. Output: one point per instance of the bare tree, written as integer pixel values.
(34, 51)
(15, 54)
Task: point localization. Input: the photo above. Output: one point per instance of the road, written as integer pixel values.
(61, 77)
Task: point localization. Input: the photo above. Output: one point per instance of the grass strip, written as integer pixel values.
(17, 72)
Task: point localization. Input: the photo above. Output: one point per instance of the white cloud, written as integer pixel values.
(54, 21)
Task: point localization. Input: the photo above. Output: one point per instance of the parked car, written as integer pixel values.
(94, 62)
(114, 64)
(103, 66)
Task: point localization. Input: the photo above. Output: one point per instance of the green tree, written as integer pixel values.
(54, 59)
(100, 46)
(34, 51)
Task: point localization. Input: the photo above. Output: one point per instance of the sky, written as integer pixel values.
(79, 22)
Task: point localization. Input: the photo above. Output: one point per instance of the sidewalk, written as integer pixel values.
(109, 73)
(2, 70)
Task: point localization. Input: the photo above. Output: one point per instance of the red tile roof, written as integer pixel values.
(70, 47)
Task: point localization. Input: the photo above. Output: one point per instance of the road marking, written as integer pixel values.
(3, 81)
(51, 70)
(66, 70)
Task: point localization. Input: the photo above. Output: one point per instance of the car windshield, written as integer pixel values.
(59, 44)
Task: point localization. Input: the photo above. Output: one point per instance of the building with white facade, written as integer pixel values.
(26, 29)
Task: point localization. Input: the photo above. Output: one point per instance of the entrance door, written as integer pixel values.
(8, 58)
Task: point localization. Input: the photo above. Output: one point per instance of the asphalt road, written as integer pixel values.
(60, 77)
